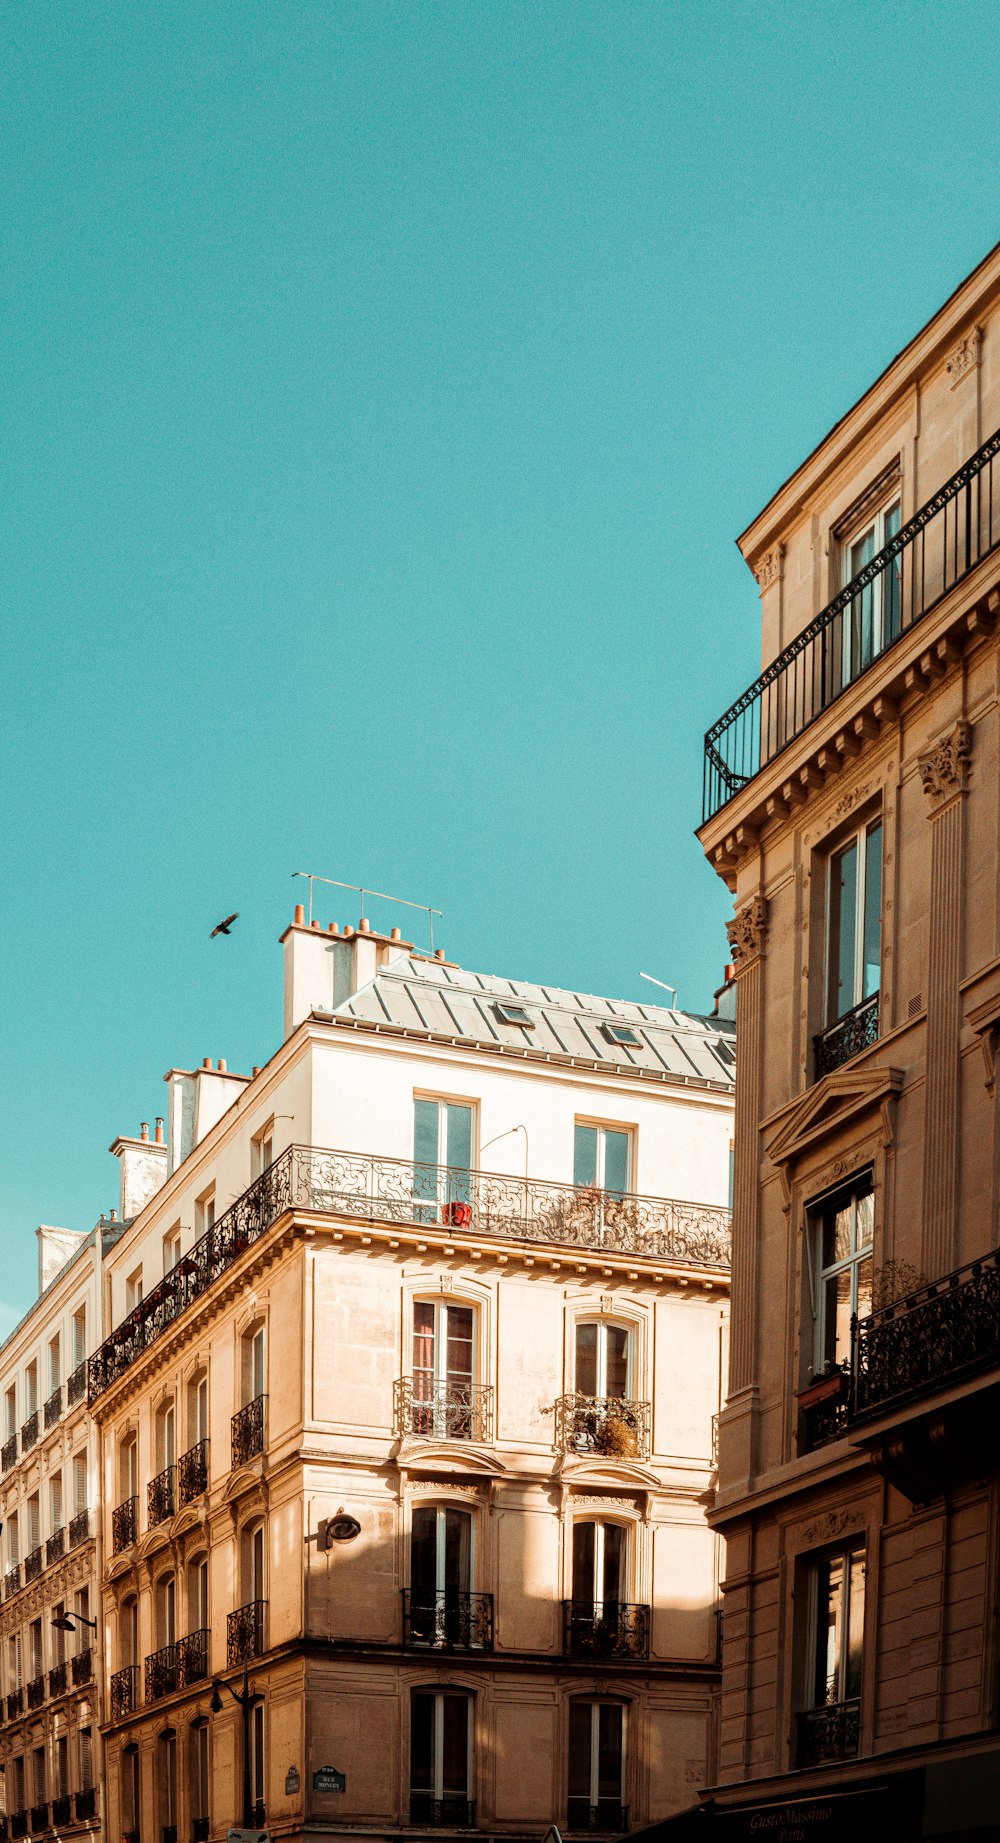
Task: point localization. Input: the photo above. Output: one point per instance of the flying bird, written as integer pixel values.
(224, 926)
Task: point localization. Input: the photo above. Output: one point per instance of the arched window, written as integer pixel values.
(443, 1610)
(441, 1757)
(596, 1766)
(598, 1562)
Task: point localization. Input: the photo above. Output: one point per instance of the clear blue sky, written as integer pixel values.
(383, 387)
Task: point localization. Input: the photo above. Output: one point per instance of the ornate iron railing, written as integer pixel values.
(76, 1386)
(79, 1528)
(124, 1691)
(19, 1824)
(825, 1418)
(192, 1657)
(855, 1031)
(161, 1673)
(168, 1833)
(941, 544)
(36, 1692)
(124, 1525)
(447, 1621)
(192, 1473)
(605, 1815)
(443, 1410)
(245, 1632)
(29, 1432)
(396, 1190)
(57, 1680)
(200, 1828)
(82, 1665)
(248, 1431)
(39, 1817)
(85, 1804)
(160, 1497)
(937, 1335)
(614, 1628)
(15, 1703)
(55, 1547)
(62, 1810)
(8, 1453)
(604, 1424)
(831, 1732)
(12, 1580)
(34, 1562)
(53, 1407)
(449, 1812)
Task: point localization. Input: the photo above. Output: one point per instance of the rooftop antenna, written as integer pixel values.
(662, 982)
(363, 891)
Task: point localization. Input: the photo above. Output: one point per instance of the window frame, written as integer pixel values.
(819, 1214)
(603, 1323)
(857, 838)
(873, 524)
(439, 1694)
(621, 1129)
(595, 1704)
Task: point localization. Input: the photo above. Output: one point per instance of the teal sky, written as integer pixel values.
(383, 387)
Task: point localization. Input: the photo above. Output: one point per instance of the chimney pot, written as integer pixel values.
(364, 925)
(222, 1065)
(256, 1069)
(300, 914)
(206, 1062)
(396, 935)
(144, 1130)
(159, 1129)
(348, 931)
(333, 929)
(114, 1215)
(439, 955)
(315, 924)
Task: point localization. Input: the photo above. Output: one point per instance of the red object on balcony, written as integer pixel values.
(458, 1215)
(824, 1388)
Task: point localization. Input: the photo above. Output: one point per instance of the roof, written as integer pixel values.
(429, 998)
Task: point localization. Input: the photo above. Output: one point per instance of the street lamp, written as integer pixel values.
(242, 1700)
(66, 1622)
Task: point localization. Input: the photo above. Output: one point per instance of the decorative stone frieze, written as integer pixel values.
(966, 356)
(944, 770)
(770, 568)
(747, 932)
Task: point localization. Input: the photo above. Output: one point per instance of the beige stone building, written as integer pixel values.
(406, 1443)
(852, 804)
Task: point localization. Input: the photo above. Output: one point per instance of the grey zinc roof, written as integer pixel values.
(425, 996)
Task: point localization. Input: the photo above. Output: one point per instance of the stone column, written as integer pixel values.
(747, 936)
(944, 771)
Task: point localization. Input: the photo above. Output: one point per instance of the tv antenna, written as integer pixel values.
(672, 989)
(363, 891)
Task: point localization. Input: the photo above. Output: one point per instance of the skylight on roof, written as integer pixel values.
(623, 1033)
(513, 1014)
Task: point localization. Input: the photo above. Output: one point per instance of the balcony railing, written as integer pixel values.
(53, 1407)
(245, 1632)
(55, 1547)
(192, 1473)
(29, 1432)
(124, 1691)
(36, 1692)
(443, 1410)
(15, 1703)
(85, 1805)
(161, 1673)
(82, 1666)
(62, 1811)
(76, 1389)
(39, 1818)
(823, 1406)
(200, 1828)
(937, 1335)
(57, 1680)
(19, 1824)
(8, 1453)
(395, 1190)
(447, 1620)
(192, 1657)
(34, 1562)
(828, 1733)
(607, 1425)
(612, 1628)
(12, 1580)
(258, 1813)
(160, 1497)
(855, 1031)
(939, 546)
(451, 1812)
(79, 1528)
(248, 1431)
(124, 1525)
(606, 1815)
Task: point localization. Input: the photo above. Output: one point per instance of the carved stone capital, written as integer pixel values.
(966, 356)
(944, 770)
(769, 568)
(748, 932)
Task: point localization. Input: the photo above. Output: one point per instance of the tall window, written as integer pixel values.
(20, 1793)
(131, 1795)
(166, 1610)
(14, 1678)
(31, 1389)
(10, 1412)
(258, 1788)
(81, 1606)
(85, 1747)
(601, 1158)
(55, 1363)
(829, 1725)
(79, 1483)
(40, 1776)
(129, 1633)
(58, 1637)
(254, 1364)
(442, 1156)
(598, 1564)
(854, 925)
(440, 1757)
(262, 1151)
(167, 1788)
(36, 1660)
(198, 1409)
(254, 1585)
(871, 620)
(443, 1360)
(165, 1441)
(79, 1336)
(204, 1214)
(13, 1540)
(171, 1247)
(198, 1594)
(603, 1360)
(133, 1290)
(596, 1766)
(34, 1522)
(55, 1502)
(199, 1779)
(841, 1270)
(440, 1575)
(128, 1461)
(62, 1766)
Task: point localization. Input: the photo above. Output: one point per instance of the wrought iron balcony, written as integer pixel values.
(938, 1335)
(36, 1692)
(162, 1675)
(12, 1580)
(941, 544)
(855, 1031)
(607, 1425)
(62, 1811)
(19, 1824)
(55, 1547)
(168, 1833)
(248, 1431)
(124, 1525)
(192, 1657)
(82, 1666)
(124, 1691)
(160, 1497)
(447, 1621)
(76, 1388)
(192, 1473)
(393, 1190)
(53, 1407)
(200, 1827)
(39, 1818)
(448, 1410)
(57, 1680)
(448, 1813)
(29, 1432)
(823, 1407)
(15, 1703)
(831, 1732)
(245, 1632)
(85, 1805)
(612, 1628)
(606, 1815)
(79, 1528)
(34, 1562)
(8, 1453)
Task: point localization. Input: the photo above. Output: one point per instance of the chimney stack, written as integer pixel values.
(323, 968)
(142, 1167)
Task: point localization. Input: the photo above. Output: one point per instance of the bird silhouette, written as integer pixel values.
(223, 927)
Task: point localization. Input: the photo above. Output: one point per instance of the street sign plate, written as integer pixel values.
(327, 1779)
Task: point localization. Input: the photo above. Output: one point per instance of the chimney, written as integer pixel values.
(725, 997)
(323, 968)
(142, 1167)
(196, 1099)
(55, 1248)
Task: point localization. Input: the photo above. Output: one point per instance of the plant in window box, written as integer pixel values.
(615, 1439)
(828, 1384)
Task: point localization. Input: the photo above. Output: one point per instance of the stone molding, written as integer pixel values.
(966, 356)
(944, 769)
(747, 933)
(770, 568)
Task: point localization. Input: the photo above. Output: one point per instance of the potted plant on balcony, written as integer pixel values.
(616, 1439)
(827, 1385)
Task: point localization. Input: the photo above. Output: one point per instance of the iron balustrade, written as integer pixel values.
(29, 1432)
(451, 1409)
(248, 1431)
(19, 1824)
(936, 1335)
(15, 1703)
(831, 1732)
(161, 1673)
(12, 1580)
(62, 1810)
(449, 1812)
(612, 1426)
(447, 1620)
(168, 1833)
(53, 1408)
(39, 1817)
(395, 1190)
(258, 1814)
(612, 1628)
(855, 1031)
(192, 1657)
(130, 1836)
(245, 1632)
(34, 1562)
(192, 1473)
(200, 1827)
(124, 1691)
(124, 1525)
(55, 1547)
(909, 577)
(160, 1497)
(607, 1814)
(79, 1528)
(824, 1409)
(85, 1804)
(36, 1692)
(82, 1666)
(57, 1680)
(76, 1387)
(8, 1453)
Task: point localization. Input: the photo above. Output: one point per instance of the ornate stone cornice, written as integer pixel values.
(965, 356)
(748, 932)
(944, 770)
(769, 568)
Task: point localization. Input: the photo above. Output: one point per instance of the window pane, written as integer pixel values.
(837, 1244)
(423, 1349)
(614, 1545)
(460, 1342)
(579, 1750)
(459, 1153)
(855, 1624)
(609, 1752)
(616, 1381)
(585, 1155)
(829, 1612)
(837, 1317)
(425, 1147)
(864, 1223)
(455, 1763)
(421, 1741)
(583, 1561)
(863, 1303)
(616, 1161)
(586, 1359)
(873, 911)
(457, 1550)
(423, 1550)
(843, 909)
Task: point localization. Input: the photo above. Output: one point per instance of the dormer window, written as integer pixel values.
(623, 1033)
(514, 1014)
(870, 622)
